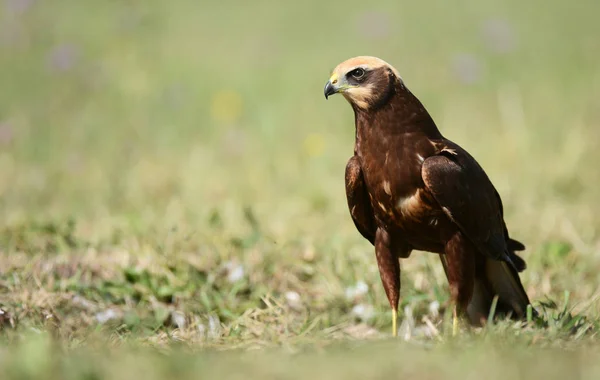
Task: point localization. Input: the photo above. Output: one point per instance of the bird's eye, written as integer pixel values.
(357, 73)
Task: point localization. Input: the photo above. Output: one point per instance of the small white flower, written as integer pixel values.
(235, 272)
(293, 300)
(364, 312)
(361, 288)
(357, 291)
(107, 315)
(292, 296)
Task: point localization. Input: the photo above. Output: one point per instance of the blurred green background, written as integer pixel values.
(172, 109)
(163, 131)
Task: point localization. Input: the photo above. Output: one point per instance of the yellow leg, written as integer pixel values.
(394, 323)
(454, 322)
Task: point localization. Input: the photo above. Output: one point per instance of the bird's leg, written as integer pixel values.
(454, 321)
(460, 259)
(389, 270)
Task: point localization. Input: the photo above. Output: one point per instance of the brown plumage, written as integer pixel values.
(410, 188)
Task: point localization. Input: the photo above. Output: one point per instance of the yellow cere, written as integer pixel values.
(334, 78)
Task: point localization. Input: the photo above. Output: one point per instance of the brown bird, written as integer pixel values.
(408, 187)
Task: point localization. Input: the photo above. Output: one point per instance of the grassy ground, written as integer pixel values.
(171, 187)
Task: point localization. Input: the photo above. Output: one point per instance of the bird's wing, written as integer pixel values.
(358, 200)
(467, 197)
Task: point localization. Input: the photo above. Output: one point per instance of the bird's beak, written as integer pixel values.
(330, 87)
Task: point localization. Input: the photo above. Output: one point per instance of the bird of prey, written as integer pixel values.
(409, 188)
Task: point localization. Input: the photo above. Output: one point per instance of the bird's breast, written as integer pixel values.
(398, 195)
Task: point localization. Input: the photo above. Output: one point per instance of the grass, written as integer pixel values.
(172, 200)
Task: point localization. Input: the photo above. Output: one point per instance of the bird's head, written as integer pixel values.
(364, 81)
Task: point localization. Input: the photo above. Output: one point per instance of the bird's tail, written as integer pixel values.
(496, 278)
(515, 245)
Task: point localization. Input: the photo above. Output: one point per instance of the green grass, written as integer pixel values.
(171, 187)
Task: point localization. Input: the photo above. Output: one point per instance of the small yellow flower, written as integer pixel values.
(314, 144)
(226, 107)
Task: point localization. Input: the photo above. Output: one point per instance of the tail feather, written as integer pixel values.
(496, 278)
(504, 281)
(514, 245)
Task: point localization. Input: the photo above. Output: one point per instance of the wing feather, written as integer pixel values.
(358, 200)
(467, 196)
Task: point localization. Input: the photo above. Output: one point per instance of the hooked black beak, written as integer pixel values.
(329, 89)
